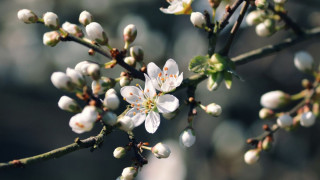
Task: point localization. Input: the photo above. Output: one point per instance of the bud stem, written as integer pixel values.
(146, 147)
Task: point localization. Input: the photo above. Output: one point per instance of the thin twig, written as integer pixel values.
(229, 12)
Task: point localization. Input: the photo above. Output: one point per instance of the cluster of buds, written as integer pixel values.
(68, 81)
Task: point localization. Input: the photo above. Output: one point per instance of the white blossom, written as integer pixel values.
(303, 61)
(61, 81)
(51, 20)
(76, 77)
(187, 138)
(27, 16)
(129, 173)
(161, 150)
(84, 121)
(252, 156)
(126, 123)
(178, 7)
(198, 19)
(307, 119)
(51, 38)
(111, 100)
(68, 104)
(213, 109)
(119, 152)
(284, 121)
(167, 79)
(93, 70)
(274, 99)
(85, 18)
(147, 104)
(90, 113)
(96, 33)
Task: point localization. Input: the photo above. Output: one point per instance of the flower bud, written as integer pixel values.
(83, 66)
(137, 53)
(124, 81)
(279, 1)
(307, 119)
(110, 118)
(85, 18)
(261, 4)
(274, 99)
(198, 19)
(51, 38)
(254, 17)
(80, 124)
(267, 143)
(111, 101)
(102, 85)
(76, 77)
(51, 20)
(129, 173)
(252, 156)
(129, 33)
(303, 61)
(266, 28)
(90, 113)
(93, 70)
(161, 150)
(27, 16)
(96, 33)
(285, 121)
(213, 109)
(266, 113)
(187, 138)
(72, 29)
(130, 61)
(68, 104)
(119, 152)
(126, 123)
(111, 91)
(61, 81)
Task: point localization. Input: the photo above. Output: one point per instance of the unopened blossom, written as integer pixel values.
(126, 123)
(124, 81)
(178, 7)
(90, 112)
(137, 53)
(284, 121)
(96, 33)
(303, 61)
(198, 19)
(166, 80)
(130, 61)
(187, 138)
(93, 70)
(51, 38)
(307, 119)
(110, 118)
(119, 152)
(72, 29)
(161, 150)
(111, 100)
(274, 99)
(213, 109)
(27, 16)
(129, 173)
(51, 20)
(147, 104)
(261, 4)
(265, 28)
(84, 121)
(85, 18)
(82, 67)
(102, 85)
(130, 33)
(68, 104)
(251, 156)
(61, 81)
(76, 77)
(254, 17)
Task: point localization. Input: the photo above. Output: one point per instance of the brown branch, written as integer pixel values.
(229, 12)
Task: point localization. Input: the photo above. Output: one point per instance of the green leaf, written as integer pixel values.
(214, 80)
(227, 79)
(233, 72)
(198, 64)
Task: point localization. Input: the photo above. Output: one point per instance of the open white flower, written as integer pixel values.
(166, 80)
(146, 104)
(178, 7)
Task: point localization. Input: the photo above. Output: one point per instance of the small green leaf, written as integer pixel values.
(214, 81)
(227, 79)
(198, 64)
(233, 72)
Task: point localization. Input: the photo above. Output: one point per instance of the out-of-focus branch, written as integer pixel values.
(229, 12)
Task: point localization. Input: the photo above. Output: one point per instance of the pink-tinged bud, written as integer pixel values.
(285, 121)
(85, 18)
(198, 19)
(126, 123)
(72, 29)
(96, 33)
(61, 81)
(137, 53)
(307, 119)
(27, 16)
(111, 100)
(275, 99)
(119, 152)
(252, 156)
(161, 150)
(303, 61)
(51, 20)
(68, 104)
(187, 138)
(129, 33)
(51, 38)
(76, 77)
(129, 173)
(110, 118)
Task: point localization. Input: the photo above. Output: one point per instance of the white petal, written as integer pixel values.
(171, 66)
(167, 103)
(132, 94)
(152, 122)
(179, 80)
(138, 118)
(148, 87)
(153, 70)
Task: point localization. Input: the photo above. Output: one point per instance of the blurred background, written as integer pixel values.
(31, 122)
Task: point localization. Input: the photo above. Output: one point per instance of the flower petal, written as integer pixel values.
(167, 103)
(149, 90)
(136, 116)
(132, 94)
(171, 67)
(154, 71)
(152, 122)
(179, 80)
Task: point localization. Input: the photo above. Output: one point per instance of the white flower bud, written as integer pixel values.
(27, 16)
(93, 70)
(102, 85)
(80, 124)
(61, 81)
(129, 33)
(72, 29)
(130, 61)
(110, 118)
(119, 152)
(129, 173)
(85, 18)
(83, 66)
(111, 100)
(187, 138)
(76, 77)
(285, 121)
(96, 33)
(213, 109)
(254, 17)
(51, 38)
(51, 20)
(265, 28)
(266, 113)
(307, 119)
(90, 113)
(68, 104)
(303, 61)
(261, 4)
(274, 99)
(252, 156)
(137, 53)
(124, 81)
(126, 123)
(161, 150)
(279, 1)
(198, 19)
(111, 91)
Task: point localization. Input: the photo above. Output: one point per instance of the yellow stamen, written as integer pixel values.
(134, 113)
(165, 68)
(131, 93)
(79, 125)
(160, 74)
